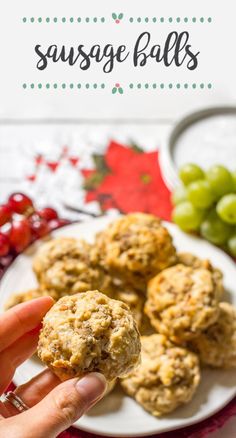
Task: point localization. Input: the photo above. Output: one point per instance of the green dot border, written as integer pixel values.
(130, 19)
(139, 86)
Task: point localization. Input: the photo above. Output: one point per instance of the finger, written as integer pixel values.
(21, 319)
(35, 390)
(63, 406)
(4, 413)
(14, 355)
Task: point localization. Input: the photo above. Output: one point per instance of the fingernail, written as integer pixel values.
(92, 387)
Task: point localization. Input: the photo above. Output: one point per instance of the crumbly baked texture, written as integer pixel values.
(57, 250)
(28, 296)
(135, 247)
(89, 332)
(166, 378)
(121, 291)
(135, 303)
(182, 302)
(110, 386)
(65, 264)
(188, 259)
(216, 346)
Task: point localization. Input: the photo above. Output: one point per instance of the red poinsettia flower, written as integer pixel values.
(133, 182)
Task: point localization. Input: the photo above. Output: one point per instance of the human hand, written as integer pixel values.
(53, 406)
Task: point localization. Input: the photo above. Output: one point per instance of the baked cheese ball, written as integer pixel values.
(29, 295)
(89, 332)
(216, 346)
(134, 301)
(135, 247)
(167, 377)
(110, 386)
(58, 249)
(121, 291)
(182, 302)
(188, 259)
(65, 264)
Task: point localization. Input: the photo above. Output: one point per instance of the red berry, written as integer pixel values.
(57, 223)
(20, 203)
(5, 214)
(117, 21)
(20, 235)
(4, 245)
(39, 226)
(6, 261)
(48, 214)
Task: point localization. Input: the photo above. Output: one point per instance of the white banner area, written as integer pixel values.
(126, 60)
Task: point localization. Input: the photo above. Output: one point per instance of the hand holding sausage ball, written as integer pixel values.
(85, 385)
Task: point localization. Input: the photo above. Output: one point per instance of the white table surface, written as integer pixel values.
(19, 143)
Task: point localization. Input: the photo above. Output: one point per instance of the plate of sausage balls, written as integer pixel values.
(138, 300)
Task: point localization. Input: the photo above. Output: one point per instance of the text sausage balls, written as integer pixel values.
(167, 377)
(182, 302)
(135, 248)
(89, 332)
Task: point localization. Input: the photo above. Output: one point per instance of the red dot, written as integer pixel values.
(117, 85)
(74, 161)
(117, 21)
(31, 178)
(53, 165)
(39, 159)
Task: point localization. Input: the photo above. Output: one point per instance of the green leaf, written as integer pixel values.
(114, 90)
(114, 16)
(93, 181)
(120, 16)
(121, 91)
(136, 148)
(100, 164)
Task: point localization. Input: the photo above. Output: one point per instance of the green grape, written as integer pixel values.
(232, 245)
(179, 195)
(233, 174)
(200, 194)
(220, 180)
(190, 172)
(187, 217)
(226, 208)
(214, 229)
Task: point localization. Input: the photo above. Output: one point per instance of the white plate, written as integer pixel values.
(117, 414)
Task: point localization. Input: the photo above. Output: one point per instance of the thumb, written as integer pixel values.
(63, 406)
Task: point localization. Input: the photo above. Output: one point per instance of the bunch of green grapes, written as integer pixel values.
(205, 202)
